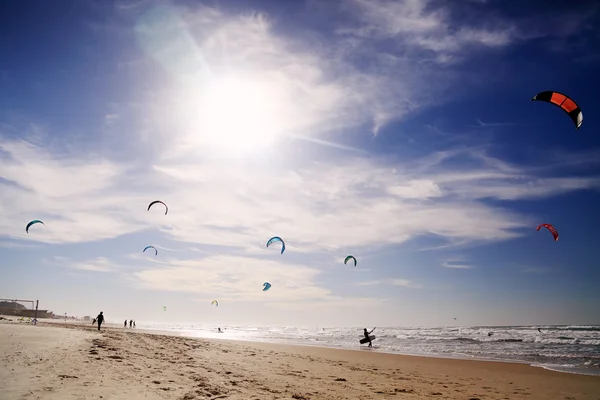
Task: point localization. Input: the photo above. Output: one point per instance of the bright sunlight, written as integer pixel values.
(234, 115)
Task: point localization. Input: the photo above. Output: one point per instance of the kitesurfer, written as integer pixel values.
(100, 319)
(219, 330)
(367, 336)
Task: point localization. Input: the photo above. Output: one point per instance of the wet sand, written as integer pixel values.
(78, 362)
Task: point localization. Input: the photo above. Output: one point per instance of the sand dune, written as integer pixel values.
(78, 362)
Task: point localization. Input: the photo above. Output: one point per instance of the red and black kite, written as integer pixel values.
(552, 230)
(564, 102)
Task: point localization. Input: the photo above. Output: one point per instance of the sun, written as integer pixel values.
(235, 115)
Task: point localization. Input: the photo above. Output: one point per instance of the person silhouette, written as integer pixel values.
(367, 336)
(100, 319)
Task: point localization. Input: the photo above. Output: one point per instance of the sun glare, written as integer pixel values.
(235, 115)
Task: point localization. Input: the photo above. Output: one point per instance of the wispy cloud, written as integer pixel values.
(79, 199)
(394, 282)
(130, 4)
(457, 264)
(327, 211)
(235, 278)
(435, 26)
(368, 283)
(405, 283)
(244, 204)
(481, 124)
(423, 25)
(99, 264)
(535, 270)
(110, 119)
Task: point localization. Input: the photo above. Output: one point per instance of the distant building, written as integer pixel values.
(19, 310)
(31, 313)
(87, 318)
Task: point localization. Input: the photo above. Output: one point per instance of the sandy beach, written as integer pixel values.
(78, 362)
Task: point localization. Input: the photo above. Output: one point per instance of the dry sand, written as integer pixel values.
(77, 362)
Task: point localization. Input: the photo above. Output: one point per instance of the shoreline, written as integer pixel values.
(61, 361)
(186, 334)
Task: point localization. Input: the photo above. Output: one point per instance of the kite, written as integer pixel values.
(267, 286)
(216, 303)
(564, 102)
(350, 258)
(151, 247)
(277, 239)
(158, 201)
(164, 308)
(552, 230)
(35, 221)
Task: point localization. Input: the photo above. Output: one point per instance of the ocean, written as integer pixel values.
(572, 349)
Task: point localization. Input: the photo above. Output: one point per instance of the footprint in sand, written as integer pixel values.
(299, 397)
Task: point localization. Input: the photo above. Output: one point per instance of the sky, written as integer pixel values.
(399, 132)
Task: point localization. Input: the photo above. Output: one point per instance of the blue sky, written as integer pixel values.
(399, 132)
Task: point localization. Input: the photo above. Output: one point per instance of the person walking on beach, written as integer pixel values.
(367, 336)
(100, 319)
(125, 324)
(134, 324)
(130, 323)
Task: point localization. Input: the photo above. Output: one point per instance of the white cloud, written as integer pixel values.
(348, 205)
(449, 29)
(369, 283)
(416, 189)
(482, 124)
(405, 283)
(110, 119)
(99, 264)
(338, 304)
(78, 196)
(232, 278)
(356, 202)
(421, 24)
(394, 282)
(457, 264)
